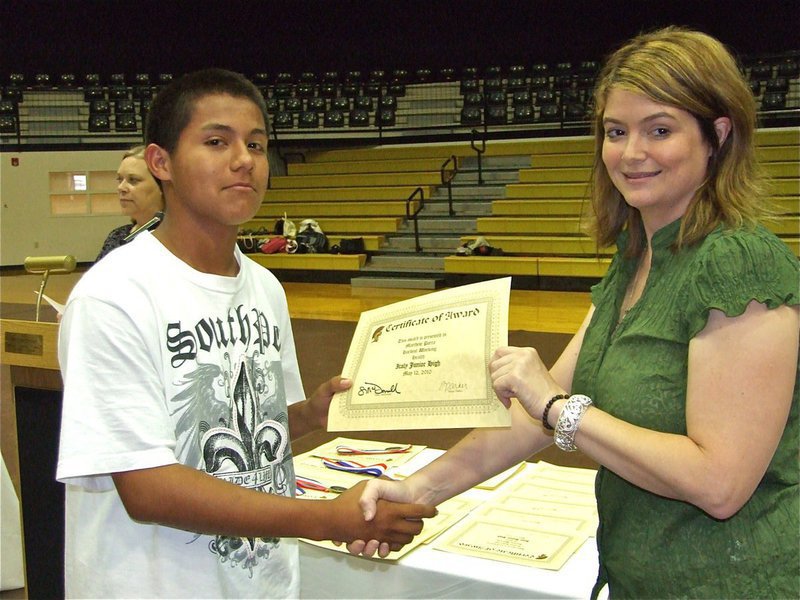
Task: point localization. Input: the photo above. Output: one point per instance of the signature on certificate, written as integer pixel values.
(452, 386)
(374, 388)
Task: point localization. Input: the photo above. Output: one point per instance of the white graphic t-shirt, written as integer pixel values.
(164, 364)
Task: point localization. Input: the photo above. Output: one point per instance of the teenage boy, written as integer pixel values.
(181, 384)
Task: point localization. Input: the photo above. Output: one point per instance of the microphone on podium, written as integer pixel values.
(151, 224)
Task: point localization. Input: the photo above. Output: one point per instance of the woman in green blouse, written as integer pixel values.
(682, 381)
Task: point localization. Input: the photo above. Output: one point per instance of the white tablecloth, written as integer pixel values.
(12, 575)
(429, 573)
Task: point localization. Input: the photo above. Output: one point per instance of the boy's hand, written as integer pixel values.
(320, 401)
(312, 414)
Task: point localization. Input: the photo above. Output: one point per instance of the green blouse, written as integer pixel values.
(651, 546)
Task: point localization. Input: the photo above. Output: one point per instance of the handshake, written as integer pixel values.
(382, 517)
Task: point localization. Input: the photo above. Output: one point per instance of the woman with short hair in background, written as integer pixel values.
(139, 196)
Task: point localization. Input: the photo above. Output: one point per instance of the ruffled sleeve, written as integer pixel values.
(737, 268)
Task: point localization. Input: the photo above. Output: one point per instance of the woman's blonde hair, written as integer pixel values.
(135, 151)
(694, 72)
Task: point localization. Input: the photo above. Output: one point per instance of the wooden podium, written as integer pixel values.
(29, 429)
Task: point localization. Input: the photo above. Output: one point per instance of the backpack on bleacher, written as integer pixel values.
(310, 238)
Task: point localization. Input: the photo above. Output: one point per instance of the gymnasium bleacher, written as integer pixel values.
(420, 165)
(353, 105)
(536, 219)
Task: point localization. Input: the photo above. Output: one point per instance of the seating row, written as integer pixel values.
(772, 145)
(325, 262)
(757, 68)
(559, 75)
(378, 76)
(357, 117)
(524, 99)
(322, 103)
(524, 114)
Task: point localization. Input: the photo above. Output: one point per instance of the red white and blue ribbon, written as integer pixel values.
(351, 466)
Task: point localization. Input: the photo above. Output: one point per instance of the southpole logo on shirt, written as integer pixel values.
(239, 326)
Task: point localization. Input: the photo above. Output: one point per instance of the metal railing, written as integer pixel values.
(413, 217)
(447, 176)
(479, 152)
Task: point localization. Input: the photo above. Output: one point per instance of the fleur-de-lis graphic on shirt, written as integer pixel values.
(245, 445)
(249, 453)
(246, 452)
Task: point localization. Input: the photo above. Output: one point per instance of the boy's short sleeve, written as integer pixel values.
(113, 415)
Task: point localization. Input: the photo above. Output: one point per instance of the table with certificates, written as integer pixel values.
(526, 533)
(422, 363)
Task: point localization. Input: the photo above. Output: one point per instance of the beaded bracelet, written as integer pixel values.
(568, 420)
(547, 410)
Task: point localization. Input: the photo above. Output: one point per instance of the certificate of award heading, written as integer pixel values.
(423, 363)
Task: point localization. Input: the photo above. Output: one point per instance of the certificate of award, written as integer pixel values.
(422, 363)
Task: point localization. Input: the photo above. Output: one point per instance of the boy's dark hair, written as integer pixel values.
(172, 107)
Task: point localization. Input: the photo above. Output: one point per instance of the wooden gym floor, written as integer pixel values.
(539, 311)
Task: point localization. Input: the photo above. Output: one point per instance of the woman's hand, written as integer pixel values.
(520, 373)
